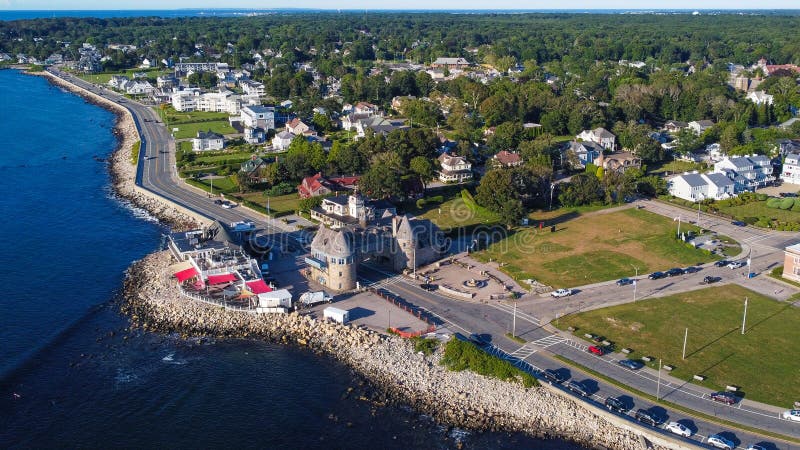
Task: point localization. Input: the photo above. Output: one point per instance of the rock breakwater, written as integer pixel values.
(389, 363)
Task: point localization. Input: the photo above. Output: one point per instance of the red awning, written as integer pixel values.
(219, 279)
(258, 287)
(184, 275)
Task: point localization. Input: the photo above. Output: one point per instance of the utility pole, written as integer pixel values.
(634, 281)
(268, 206)
(679, 226)
(552, 187)
(685, 337)
(658, 385)
(744, 317)
(698, 211)
(514, 322)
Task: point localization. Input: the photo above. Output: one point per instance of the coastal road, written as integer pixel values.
(492, 320)
(156, 173)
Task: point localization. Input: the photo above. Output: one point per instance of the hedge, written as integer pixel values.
(787, 203)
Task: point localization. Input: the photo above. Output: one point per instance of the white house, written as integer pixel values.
(258, 117)
(699, 126)
(747, 172)
(791, 169)
(297, 126)
(282, 140)
(139, 88)
(600, 136)
(208, 140)
(454, 169)
(117, 81)
(185, 100)
(760, 97)
(252, 87)
(696, 187)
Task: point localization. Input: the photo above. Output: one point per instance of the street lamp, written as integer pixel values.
(634, 281)
(552, 187)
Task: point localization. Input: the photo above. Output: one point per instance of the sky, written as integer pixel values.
(394, 4)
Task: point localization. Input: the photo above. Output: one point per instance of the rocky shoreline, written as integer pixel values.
(389, 364)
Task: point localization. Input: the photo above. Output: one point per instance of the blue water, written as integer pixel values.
(72, 374)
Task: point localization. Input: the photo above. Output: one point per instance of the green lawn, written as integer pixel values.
(226, 185)
(592, 247)
(677, 167)
(174, 117)
(103, 78)
(760, 361)
(288, 203)
(456, 211)
(189, 130)
(760, 209)
(213, 159)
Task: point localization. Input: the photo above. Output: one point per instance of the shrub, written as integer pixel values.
(773, 202)
(796, 207)
(426, 346)
(421, 203)
(750, 220)
(787, 203)
(460, 355)
(282, 188)
(762, 197)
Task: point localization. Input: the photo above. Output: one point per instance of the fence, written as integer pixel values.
(404, 305)
(409, 335)
(215, 302)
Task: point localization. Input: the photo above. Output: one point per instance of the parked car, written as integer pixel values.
(755, 447)
(736, 264)
(477, 340)
(631, 364)
(792, 414)
(738, 223)
(597, 350)
(724, 397)
(674, 272)
(645, 416)
(718, 441)
(615, 404)
(691, 269)
(558, 293)
(578, 388)
(624, 281)
(721, 263)
(552, 376)
(710, 279)
(218, 202)
(679, 429)
(656, 275)
(227, 205)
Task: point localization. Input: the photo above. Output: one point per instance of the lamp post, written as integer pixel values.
(744, 316)
(658, 385)
(552, 187)
(634, 281)
(514, 322)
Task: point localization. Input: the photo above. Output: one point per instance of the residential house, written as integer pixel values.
(760, 98)
(697, 187)
(599, 135)
(577, 154)
(298, 127)
(282, 140)
(674, 126)
(700, 126)
(366, 108)
(455, 169)
(791, 169)
(770, 69)
(747, 172)
(318, 184)
(252, 87)
(254, 135)
(258, 117)
(251, 168)
(619, 161)
(450, 63)
(167, 82)
(791, 263)
(505, 158)
(117, 81)
(208, 140)
(786, 146)
(351, 210)
(139, 88)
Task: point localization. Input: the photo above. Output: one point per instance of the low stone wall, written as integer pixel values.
(391, 365)
(447, 290)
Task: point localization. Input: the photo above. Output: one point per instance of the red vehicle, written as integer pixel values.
(724, 397)
(599, 351)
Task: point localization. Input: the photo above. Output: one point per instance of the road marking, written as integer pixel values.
(521, 315)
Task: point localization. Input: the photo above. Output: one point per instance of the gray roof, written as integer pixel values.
(404, 229)
(208, 135)
(693, 179)
(584, 146)
(259, 109)
(719, 179)
(603, 133)
(334, 243)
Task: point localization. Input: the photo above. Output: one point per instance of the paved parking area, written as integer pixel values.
(374, 312)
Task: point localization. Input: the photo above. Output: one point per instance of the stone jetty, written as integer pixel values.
(462, 399)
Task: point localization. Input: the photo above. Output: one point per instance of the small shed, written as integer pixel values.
(273, 299)
(336, 314)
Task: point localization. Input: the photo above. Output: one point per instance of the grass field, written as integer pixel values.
(759, 361)
(760, 209)
(213, 159)
(174, 117)
(226, 185)
(103, 78)
(456, 211)
(677, 167)
(281, 204)
(189, 130)
(598, 246)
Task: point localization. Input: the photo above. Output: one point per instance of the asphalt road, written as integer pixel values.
(157, 174)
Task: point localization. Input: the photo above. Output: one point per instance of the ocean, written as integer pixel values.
(73, 375)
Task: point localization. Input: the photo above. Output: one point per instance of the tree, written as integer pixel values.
(582, 189)
(381, 181)
(496, 189)
(512, 213)
(506, 136)
(242, 180)
(322, 123)
(422, 167)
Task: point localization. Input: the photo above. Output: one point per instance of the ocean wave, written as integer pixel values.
(136, 211)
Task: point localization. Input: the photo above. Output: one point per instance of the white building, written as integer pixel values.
(696, 187)
(791, 169)
(282, 140)
(700, 126)
(252, 87)
(760, 97)
(599, 136)
(208, 140)
(257, 116)
(747, 172)
(139, 88)
(454, 169)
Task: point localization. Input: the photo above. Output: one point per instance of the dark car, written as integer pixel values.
(738, 223)
(724, 397)
(597, 350)
(721, 263)
(578, 388)
(648, 417)
(631, 364)
(615, 404)
(477, 340)
(656, 275)
(218, 202)
(624, 282)
(552, 376)
(710, 279)
(691, 269)
(674, 272)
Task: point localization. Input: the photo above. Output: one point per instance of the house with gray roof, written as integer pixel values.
(697, 187)
(747, 172)
(208, 140)
(577, 154)
(600, 136)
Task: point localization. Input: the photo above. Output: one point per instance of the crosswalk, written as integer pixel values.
(520, 314)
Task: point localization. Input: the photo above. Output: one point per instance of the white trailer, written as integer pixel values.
(274, 299)
(336, 314)
(308, 299)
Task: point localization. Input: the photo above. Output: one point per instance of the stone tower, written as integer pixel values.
(333, 261)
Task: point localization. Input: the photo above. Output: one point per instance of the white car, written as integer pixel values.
(558, 293)
(718, 441)
(792, 414)
(678, 428)
(736, 264)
